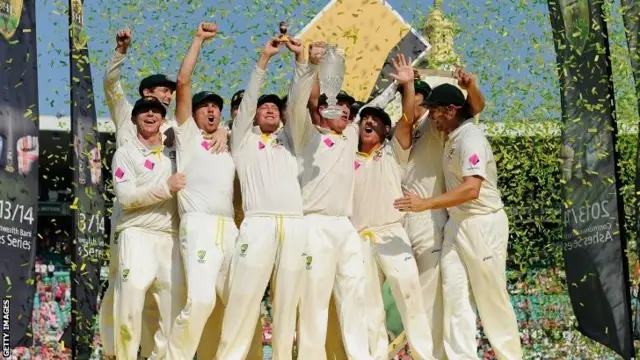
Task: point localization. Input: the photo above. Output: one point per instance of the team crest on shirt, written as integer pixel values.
(243, 249)
(276, 143)
(201, 254)
(308, 261)
(450, 154)
(125, 274)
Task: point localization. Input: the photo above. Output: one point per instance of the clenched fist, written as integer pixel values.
(176, 182)
(207, 31)
(316, 52)
(123, 40)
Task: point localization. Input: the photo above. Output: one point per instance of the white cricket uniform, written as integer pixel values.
(207, 234)
(385, 242)
(423, 176)
(120, 110)
(148, 248)
(335, 260)
(474, 253)
(334, 346)
(273, 233)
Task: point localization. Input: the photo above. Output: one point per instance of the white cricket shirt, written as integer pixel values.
(378, 178)
(423, 174)
(325, 158)
(467, 152)
(140, 180)
(266, 167)
(209, 177)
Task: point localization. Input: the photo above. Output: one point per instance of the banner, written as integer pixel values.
(593, 245)
(368, 53)
(631, 18)
(88, 203)
(18, 169)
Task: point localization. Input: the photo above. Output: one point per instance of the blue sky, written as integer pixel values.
(497, 42)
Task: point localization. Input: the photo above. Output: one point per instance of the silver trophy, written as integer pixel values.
(331, 72)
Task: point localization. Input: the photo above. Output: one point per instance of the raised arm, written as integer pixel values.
(404, 77)
(314, 99)
(299, 124)
(475, 99)
(382, 100)
(247, 109)
(132, 196)
(114, 94)
(205, 32)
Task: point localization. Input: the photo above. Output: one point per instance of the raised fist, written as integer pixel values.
(207, 30)
(123, 39)
(316, 52)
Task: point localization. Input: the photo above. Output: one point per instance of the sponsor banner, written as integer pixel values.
(88, 206)
(593, 245)
(19, 167)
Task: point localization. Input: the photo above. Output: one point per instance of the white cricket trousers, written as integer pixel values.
(147, 260)
(334, 262)
(474, 257)
(425, 231)
(206, 245)
(150, 315)
(265, 241)
(388, 255)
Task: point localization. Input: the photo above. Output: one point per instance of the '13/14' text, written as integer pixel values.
(16, 212)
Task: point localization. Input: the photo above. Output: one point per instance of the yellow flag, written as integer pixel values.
(371, 33)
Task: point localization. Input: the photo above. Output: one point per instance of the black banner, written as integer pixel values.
(88, 204)
(631, 18)
(18, 169)
(593, 245)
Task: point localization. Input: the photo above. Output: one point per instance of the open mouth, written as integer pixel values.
(368, 130)
(149, 121)
(211, 120)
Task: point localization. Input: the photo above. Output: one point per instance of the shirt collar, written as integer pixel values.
(256, 130)
(455, 133)
(373, 152)
(420, 122)
(327, 131)
(144, 150)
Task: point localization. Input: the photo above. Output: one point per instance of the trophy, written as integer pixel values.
(331, 74)
(283, 32)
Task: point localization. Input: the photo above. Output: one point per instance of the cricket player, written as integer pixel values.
(335, 262)
(334, 344)
(207, 229)
(161, 87)
(474, 251)
(378, 174)
(424, 177)
(273, 232)
(148, 249)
